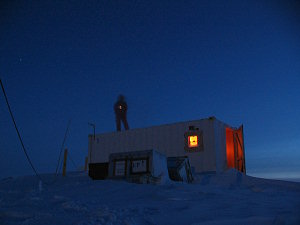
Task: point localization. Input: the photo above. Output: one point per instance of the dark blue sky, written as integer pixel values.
(173, 60)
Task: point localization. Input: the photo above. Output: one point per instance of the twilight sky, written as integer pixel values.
(173, 60)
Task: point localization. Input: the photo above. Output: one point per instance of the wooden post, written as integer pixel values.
(235, 150)
(65, 163)
(244, 163)
(86, 164)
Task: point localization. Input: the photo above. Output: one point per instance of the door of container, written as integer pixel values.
(235, 149)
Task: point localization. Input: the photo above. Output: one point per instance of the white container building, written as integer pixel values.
(210, 145)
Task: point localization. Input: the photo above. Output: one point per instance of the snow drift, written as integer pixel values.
(228, 198)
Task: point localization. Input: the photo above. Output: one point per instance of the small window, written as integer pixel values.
(193, 141)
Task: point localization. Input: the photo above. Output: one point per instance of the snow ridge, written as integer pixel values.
(228, 198)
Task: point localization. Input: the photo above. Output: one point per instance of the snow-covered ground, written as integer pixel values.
(230, 198)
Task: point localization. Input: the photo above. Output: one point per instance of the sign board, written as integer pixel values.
(139, 166)
(120, 168)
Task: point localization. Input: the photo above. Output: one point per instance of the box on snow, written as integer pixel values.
(148, 166)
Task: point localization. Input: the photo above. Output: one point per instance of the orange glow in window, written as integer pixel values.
(193, 141)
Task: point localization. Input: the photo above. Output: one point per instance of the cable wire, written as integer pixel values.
(58, 167)
(19, 136)
(74, 164)
(62, 147)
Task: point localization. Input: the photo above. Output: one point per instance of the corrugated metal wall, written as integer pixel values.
(168, 139)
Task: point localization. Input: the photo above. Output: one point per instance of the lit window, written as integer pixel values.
(193, 141)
